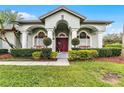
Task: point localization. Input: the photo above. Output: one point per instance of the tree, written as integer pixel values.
(13, 17)
(47, 41)
(112, 38)
(122, 52)
(8, 17)
(75, 42)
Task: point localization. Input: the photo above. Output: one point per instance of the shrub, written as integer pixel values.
(114, 45)
(53, 55)
(104, 52)
(108, 52)
(47, 41)
(116, 51)
(75, 42)
(73, 55)
(46, 52)
(82, 54)
(76, 48)
(36, 55)
(3, 51)
(23, 52)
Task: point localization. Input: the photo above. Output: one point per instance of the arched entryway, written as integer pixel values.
(35, 36)
(62, 36)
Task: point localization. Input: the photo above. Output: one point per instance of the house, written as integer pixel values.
(61, 25)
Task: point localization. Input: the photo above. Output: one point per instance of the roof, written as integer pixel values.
(97, 22)
(29, 21)
(65, 9)
(9, 27)
(83, 18)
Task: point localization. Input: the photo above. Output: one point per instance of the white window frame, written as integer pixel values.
(63, 36)
(87, 34)
(33, 39)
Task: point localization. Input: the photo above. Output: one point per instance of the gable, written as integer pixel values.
(51, 21)
(62, 8)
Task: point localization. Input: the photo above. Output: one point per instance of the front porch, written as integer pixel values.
(33, 37)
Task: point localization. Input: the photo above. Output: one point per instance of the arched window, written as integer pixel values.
(38, 39)
(83, 35)
(62, 35)
(84, 40)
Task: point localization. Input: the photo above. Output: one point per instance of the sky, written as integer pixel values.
(92, 12)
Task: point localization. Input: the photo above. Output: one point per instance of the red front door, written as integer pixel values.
(62, 44)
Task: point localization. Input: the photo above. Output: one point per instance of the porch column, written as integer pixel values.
(24, 39)
(100, 39)
(50, 35)
(74, 33)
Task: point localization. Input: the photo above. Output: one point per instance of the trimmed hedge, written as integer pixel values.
(36, 55)
(116, 51)
(23, 52)
(47, 41)
(114, 45)
(45, 52)
(104, 52)
(82, 54)
(75, 42)
(53, 55)
(3, 51)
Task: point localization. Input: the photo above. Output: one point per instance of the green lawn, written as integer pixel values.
(77, 74)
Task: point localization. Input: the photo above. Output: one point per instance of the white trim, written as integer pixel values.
(59, 9)
(24, 39)
(100, 39)
(36, 35)
(58, 36)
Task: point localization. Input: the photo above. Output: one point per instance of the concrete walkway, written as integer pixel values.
(62, 55)
(29, 63)
(61, 61)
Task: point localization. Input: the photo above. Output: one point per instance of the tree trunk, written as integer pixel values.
(4, 37)
(122, 52)
(17, 36)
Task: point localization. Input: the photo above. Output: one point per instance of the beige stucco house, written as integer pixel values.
(61, 25)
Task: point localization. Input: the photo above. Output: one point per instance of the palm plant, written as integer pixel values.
(8, 17)
(13, 17)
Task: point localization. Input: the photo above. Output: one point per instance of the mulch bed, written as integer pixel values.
(5, 56)
(112, 59)
(9, 57)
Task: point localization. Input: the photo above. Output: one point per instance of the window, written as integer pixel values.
(83, 35)
(84, 40)
(62, 35)
(38, 39)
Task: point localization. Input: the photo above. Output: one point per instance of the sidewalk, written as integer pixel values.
(30, 63)
(62, 60)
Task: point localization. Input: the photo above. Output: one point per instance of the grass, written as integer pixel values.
(16, 59)
(78, 74)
